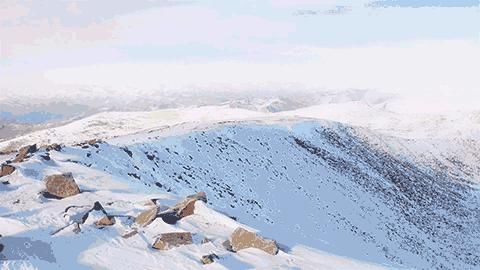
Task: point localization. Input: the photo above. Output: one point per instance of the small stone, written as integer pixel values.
(105, 221)
(129, 234)
(208, 259)
(170, 240)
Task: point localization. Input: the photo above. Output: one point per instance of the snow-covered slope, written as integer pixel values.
(365, 113)
(356, 196)
(30, 223)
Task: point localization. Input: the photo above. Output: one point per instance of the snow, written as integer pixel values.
(27, 226)
(367, 109)
(352, 192)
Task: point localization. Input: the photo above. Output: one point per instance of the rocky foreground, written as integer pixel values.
(60, 214)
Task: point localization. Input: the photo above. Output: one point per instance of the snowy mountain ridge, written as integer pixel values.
(357, 196)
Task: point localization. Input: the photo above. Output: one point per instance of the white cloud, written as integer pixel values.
(425, 68)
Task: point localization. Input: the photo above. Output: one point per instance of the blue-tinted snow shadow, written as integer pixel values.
(230, 262)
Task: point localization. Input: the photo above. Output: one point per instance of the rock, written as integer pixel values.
(147, 216)
(208, 259)
(182, 209)
(170, 240)
(53, 146)
(206, 240)
(241, 239)
(6, 170)
(105, 221)
(129, 234)
(61, 185)
(1, 247)
(186, 207)
(93, 142)
(24, 151)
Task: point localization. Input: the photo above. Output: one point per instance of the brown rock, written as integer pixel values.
(53, 146)
(147, 216)
(93, 142)
(105, 221)
(186, 207)
(6, 170)
(24, 151)
(241, 239)
(208, 259)
(170, 240)
(61, 185)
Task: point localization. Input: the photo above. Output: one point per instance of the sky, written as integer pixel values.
(420, 47)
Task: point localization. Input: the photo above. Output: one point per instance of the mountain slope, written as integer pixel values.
(344, 190)
(38, 232)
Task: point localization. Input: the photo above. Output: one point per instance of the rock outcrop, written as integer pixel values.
(242, 239)
(170, 240)
(61, 185)
(53, 146)
(6, 170)
(93, 142)
(24, 152)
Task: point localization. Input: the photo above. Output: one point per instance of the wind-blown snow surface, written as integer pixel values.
(350, 192)
(28, 220)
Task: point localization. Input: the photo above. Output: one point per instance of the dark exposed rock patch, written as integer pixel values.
(209, 259)
(25, 152)
(53, 147)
